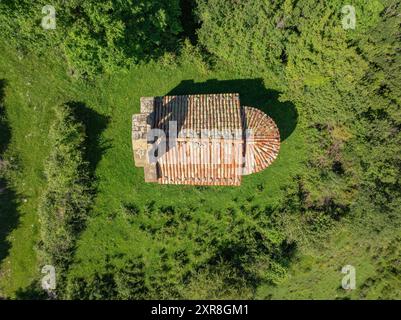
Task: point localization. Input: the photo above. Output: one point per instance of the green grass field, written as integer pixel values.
(33, 86)
(316, 274)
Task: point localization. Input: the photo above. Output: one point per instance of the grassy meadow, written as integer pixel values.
(33, 86)
(332, 197)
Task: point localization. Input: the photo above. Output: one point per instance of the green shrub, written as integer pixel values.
(66, 199)
(344, 82)
(184, 245)
(245, 35)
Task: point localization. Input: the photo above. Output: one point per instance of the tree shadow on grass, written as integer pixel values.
(188, 20)
(8, 198)
(5, 130)
(95, 124)
(32, 292)
(8, 216)
(252, 93)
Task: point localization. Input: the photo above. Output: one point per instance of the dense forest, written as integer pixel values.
(71, 75)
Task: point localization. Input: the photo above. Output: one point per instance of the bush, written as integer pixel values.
(345, 84)
(182, 246)
(238, 32)
(65, 202)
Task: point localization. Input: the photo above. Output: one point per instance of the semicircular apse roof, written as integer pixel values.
(262, 140)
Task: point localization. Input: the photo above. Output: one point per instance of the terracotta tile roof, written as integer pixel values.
(211, 162)
(263, 142)
(194, 113)
(207, 137)
(200, 155)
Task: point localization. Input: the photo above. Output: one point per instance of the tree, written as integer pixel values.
(95, 36)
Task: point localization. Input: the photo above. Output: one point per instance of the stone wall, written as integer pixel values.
(141, 125)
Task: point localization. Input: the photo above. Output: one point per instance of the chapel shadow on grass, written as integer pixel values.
(95, 124)
(252, 93)
(8, 198)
